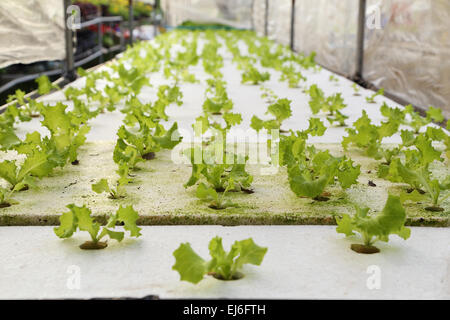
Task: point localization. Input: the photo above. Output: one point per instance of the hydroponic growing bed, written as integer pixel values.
(221, 128)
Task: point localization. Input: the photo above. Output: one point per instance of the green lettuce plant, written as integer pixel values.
(222, 265)
(374, 228)
(79, 218)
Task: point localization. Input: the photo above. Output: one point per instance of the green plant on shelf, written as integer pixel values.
(356, 89)
(374, 228)
(216, 201)
(23, 109)
(291, 76)
(218, 172)
(310, 176)
(21, 177)
(371, 98)
(410, 163)
(223, 174)
(223, 265)
(280, 109)
(68, 133)
(148, 140)
(254, 76)
(44, 85)
(37, 164)
(130, 81)
(333, 78)
(368, 136)
(216, 101)
(128, 154)
(436, 192)
(79, 218)
(117, 191)
(330, 105)
(268, 94)
(416, 121)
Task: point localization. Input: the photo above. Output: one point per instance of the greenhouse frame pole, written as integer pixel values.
(360, 40)
(292, 24)
(266, 19)
(69, 74)
(130, 20)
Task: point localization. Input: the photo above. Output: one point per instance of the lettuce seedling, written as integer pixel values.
(148, 141)
(217, 100)
(269, 95)
(333, 78)
(66, 132)
(8, 139)
(5, 194)
(420, 177)
(252, 75)
(33, 144)
(416, 121)
(292, 76)
(131, 80)
(223, 265)
(212, 62)
(293, 147)
(117, 192)
(79, 218)
(331, 105)
(44, 85)
(375, 227)
(28, 108)
(124, 153)
(281, 110)
(368, 136)
(22, 177)
(371, 98)
(217, 201)
(310, 171)
(8, 118)
(170, 94)
(356, 89)
(414, 170)
(31, 166)
(219, 175)
(310, 176)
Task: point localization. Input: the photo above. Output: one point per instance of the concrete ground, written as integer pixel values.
(302, 262)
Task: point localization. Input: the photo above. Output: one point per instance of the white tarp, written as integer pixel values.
(236, 13)
(31, 30)
(407, 43)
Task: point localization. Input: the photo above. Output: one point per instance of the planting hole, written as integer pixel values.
(149, 156)
(90, 245)
(215, 207)
(321, 198)
(360, 248)
(434, 209)
(236, 276)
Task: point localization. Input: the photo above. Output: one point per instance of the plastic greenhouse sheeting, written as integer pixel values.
(407, 53)
(236, 13)
(31, 30)
(327, 27)
(410, 55)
